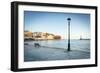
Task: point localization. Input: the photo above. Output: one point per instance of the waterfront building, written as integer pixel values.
(40, 36)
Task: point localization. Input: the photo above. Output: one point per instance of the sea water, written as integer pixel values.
(80, 49)
(83, 45)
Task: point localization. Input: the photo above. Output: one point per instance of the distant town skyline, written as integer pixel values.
(56, 23)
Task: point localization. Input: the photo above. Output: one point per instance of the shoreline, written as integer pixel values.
(32, 53)
(51, 39)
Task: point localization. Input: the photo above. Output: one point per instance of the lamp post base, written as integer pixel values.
(68, 49)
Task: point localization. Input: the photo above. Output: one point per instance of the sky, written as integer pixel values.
(57, 23)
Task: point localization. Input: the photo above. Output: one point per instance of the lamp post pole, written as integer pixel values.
(69, 19)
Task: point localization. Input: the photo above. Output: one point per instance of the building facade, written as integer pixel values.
(40, 36)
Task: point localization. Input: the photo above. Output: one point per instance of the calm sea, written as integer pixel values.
(83, 45)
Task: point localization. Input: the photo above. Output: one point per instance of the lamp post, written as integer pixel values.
(69, 19)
